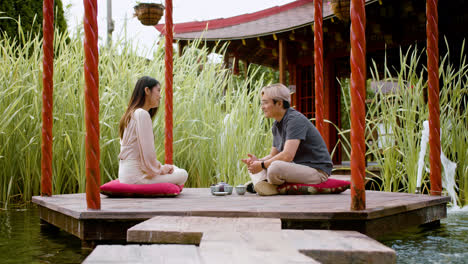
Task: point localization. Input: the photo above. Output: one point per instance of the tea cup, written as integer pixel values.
(240, 189)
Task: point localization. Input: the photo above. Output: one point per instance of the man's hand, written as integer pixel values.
(255, 167)
(167, 169)
(251, 159)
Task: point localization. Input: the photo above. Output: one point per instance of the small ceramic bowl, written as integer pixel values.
(240, 189)
(214, 188)
(228, 189)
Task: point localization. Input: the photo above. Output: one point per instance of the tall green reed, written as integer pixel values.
(400, 115)
(217, 117)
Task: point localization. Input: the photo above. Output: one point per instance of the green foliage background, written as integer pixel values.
(217, 118)
(28, 13)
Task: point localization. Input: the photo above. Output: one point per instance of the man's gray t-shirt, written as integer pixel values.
(312, 150)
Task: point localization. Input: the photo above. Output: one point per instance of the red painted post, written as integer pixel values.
(433, 94)
(47, 96)
(358, 110)
(168, 61)
(93, 179)
(318, 59)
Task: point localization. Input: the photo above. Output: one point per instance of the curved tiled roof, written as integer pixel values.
(231, 21)
(266, 22)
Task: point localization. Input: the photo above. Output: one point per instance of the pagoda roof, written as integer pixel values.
(273, 20)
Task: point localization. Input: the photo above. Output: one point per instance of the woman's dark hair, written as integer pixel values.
(137, 101)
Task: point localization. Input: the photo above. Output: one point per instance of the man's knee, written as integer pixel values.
(275, 172)
(275, 168)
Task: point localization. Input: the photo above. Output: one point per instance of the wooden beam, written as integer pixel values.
(181, 45)
(236, 65)
(282, 61)
(246, 68)
(226, 60)
(292, 81)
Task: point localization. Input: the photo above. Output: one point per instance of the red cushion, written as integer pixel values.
(116, 189)
(329, 186)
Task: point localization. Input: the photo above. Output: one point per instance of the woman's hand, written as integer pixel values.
(167, 169)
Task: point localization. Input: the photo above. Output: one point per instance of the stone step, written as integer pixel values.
(327, 246)
(144, 254)
(323, 246)
(252, 246)
(249, 247)
(189, 230)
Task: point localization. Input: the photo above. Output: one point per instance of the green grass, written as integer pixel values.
(217, 117)
(404, 111)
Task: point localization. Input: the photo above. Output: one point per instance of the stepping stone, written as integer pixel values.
(249, 247)
(144, 254)
(327, 246)
(190, 229)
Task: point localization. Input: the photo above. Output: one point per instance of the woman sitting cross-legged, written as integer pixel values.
(138, 162)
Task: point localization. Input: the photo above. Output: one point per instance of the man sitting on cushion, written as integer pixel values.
(299, 153)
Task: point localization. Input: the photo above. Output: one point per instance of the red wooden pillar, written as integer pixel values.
(168, 63)
(433, 94)
(47, 96)
(282, 61)
(93, 179)
(318, 59)
(358, 110)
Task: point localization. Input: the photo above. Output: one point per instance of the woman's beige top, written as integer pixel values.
(137, 143)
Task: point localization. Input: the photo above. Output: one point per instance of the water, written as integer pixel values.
(446, 244)
(448, 176)
(22, 241)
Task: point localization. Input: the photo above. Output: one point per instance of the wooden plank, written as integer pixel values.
(339, 246)
(199, 202)
(379, 227)
(189, 230)
(163, 254)
(89, 230)
(69, 224)
(295, 212)
(375, 228)
(249, 247)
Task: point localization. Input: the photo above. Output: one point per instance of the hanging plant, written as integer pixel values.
(149, 14)
(341, 9)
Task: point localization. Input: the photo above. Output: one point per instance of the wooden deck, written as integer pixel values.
(385, 213)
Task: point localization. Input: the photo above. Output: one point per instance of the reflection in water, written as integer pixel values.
(22, 241)
(446, 244)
